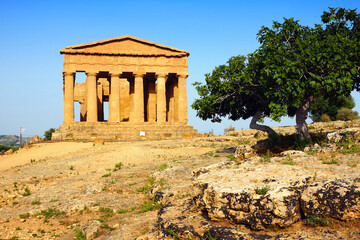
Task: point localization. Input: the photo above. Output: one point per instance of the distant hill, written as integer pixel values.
(13, 140)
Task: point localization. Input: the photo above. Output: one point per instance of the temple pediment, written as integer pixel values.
(125, 45)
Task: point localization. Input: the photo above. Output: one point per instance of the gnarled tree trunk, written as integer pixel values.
(301, 116)
(264, 128)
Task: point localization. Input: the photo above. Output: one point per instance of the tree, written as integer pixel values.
(330, 106)
(48, 133)
(294, 65)
(229, 90)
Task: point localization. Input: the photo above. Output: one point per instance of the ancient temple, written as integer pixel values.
(143, 82)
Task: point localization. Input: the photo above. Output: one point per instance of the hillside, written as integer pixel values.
(12, 140)
(63, 190)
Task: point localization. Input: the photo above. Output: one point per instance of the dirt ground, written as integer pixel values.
(50, 190)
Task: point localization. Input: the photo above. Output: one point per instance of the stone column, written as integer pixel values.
(124, 99)
(91, 89)
(182, 99)
(139, 97)
(114, 98)
(161, 98)
(68, 97)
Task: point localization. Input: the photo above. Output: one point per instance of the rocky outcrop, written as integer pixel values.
(243, 152)
(339, 199)
(344, 135)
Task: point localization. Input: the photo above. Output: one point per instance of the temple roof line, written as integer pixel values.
(88, 48)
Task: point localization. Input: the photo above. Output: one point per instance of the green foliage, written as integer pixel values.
(49, 213)
(293, 66)
(118, 166)
(326, 108)
(173, 234)
(331, 161)
(265, 158)
(24, 216)
(149, 206)
(26, 192)
(231, 157)
(106, 175)
(288, 161)
(163, 167)
(120, 210)
(316, 220)
(346, 114)
(324, 118)
(48, 133)
(4, 148)
(79, 235)
(262, 191)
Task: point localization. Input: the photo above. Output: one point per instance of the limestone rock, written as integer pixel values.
(318, 149)
(37, 138)
(243, 152)
(8, 152)
(344, 135)
(217, 166)
(293, 153)
(98, 141)
(91, 229)
(338, 199)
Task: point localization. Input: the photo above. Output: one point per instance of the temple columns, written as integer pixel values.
(114, 98)
(161, 98)
(91, 89)
(182, 99)
(139, 97)
(69, 97)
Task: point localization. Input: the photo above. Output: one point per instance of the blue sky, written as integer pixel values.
(33, 32)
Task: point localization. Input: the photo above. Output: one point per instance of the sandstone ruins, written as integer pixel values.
(143, 82)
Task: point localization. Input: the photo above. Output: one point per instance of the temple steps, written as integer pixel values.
(122, 131)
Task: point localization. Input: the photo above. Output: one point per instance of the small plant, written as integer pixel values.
(36, 201)
(54, 200)
(210, 237)
(149, 206)
(316, 220)
(118, 166)
(173, 234)
(26, 192)
(231, 157)
(106, 175)
(266, 158)
(288, 161)
(24, 216)
(32, 160)
(163, 167)
(71, 167)
(79, 235)
(133, 184)
(108, 212)
(106, 226)
(120, 210)
(262, 191)
(145, 189)
(18, 228)
(351, 163)
(332, 161)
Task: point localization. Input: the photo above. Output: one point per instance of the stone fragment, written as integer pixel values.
(293, 153)
(37, 138)
(8, 152)
(338, 199)
(344, 135)
(243, 152)
(98, 141)
(91, 229)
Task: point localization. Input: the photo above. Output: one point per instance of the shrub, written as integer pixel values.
(324, 118)
(48, 133)
(346, 114)
(262, 191)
